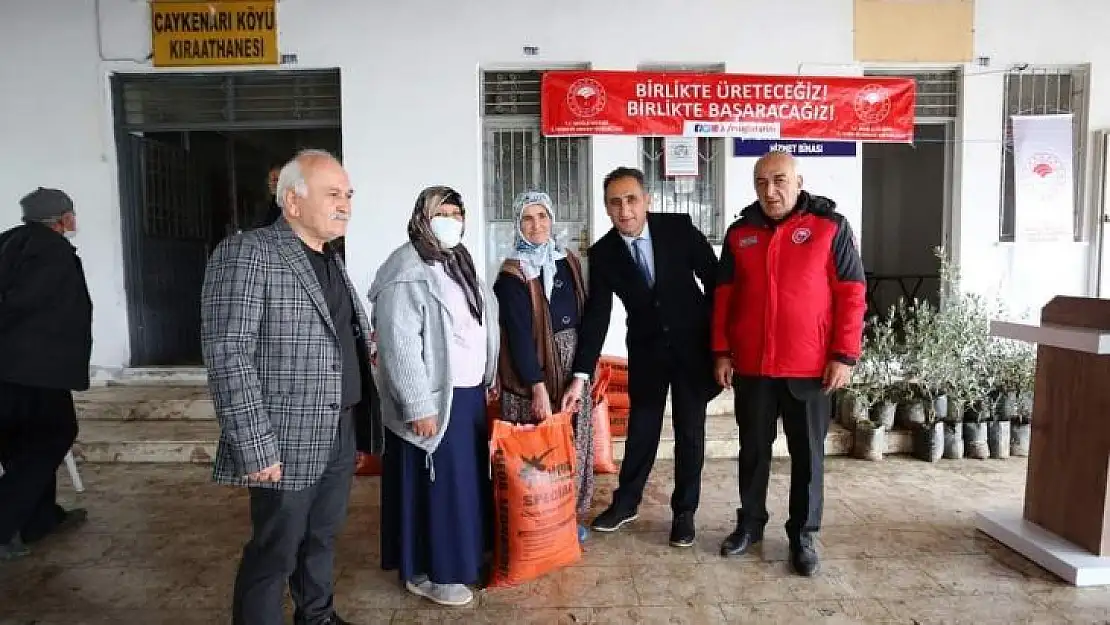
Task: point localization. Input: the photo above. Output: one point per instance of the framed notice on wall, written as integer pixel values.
(680, 156)
(199, 34)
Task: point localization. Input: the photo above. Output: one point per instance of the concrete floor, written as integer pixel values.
(898, 546)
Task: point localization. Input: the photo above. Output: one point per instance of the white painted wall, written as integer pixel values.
(57, 133)
(1067, 32)
(410, 74)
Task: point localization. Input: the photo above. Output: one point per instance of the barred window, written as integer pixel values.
(517, 157)
(700, 197)
(1044, 91)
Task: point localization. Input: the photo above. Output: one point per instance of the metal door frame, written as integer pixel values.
(948, 221)
(130, 174)
(1099, 282)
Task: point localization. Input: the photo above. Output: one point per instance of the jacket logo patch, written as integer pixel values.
(801, 235)
(748, 241)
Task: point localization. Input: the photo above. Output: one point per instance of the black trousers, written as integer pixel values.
(293, 539)
(806, 410)
(650, 375)
(37, 428)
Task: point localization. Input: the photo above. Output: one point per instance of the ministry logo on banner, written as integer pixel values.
(1044, 190)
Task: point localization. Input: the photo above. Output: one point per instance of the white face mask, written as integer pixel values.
(448, 231)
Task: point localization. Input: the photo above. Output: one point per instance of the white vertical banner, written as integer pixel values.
(1044, 175)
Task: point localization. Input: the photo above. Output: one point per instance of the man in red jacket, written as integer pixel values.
(787, 330)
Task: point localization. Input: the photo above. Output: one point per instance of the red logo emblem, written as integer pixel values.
(1048, 174)
(1045, 164)
(801, 235)
(872, 104)
(586, 97)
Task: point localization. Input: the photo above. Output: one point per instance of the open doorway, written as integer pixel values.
(194, 155)
(906, 191)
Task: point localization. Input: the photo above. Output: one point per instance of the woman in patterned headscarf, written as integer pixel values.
(438, 338)
(541, 294)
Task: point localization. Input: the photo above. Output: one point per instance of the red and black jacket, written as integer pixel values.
(791, 295)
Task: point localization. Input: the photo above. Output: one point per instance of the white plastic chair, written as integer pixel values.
(71, 466)
(74, 476)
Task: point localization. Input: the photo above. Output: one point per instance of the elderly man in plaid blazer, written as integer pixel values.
(286, 344)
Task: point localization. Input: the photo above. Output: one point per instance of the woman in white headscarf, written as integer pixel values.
(541, 294)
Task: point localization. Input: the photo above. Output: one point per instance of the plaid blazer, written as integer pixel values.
(274, 361)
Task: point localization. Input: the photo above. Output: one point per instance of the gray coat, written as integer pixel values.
(270, 347)
(413, 328)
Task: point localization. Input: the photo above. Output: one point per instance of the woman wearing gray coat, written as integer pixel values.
(437, 347)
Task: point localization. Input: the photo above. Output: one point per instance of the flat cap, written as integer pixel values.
(44, 204)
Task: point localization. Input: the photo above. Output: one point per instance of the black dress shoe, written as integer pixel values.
(741, 539)
(803, 557)
(739, 542)
(337, 620)
(613, 519)
(682, 530)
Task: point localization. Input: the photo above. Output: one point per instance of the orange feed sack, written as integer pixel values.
(619, 378)
(601, 385)
(613, 362)
(603, 440)
(612, 386)
(534, 490)
(618, 421)
(619, 401)
(367, 465)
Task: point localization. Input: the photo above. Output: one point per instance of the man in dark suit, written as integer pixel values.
(650, 261)
(286, 343)
(45, 344)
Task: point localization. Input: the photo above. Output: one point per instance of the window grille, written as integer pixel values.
(517, 157)
(699, 197)
(938, 92)
(511, 93)
(171, 101)
(1043, 91)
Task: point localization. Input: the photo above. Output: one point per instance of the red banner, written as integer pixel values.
(830, 108)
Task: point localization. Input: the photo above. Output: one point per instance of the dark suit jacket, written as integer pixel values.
(671, 320)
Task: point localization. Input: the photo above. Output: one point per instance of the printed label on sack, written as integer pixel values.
(535, 492)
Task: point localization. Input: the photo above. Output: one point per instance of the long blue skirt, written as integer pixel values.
(442, 528)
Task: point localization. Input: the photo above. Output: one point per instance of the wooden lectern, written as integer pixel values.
(1065, 525)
